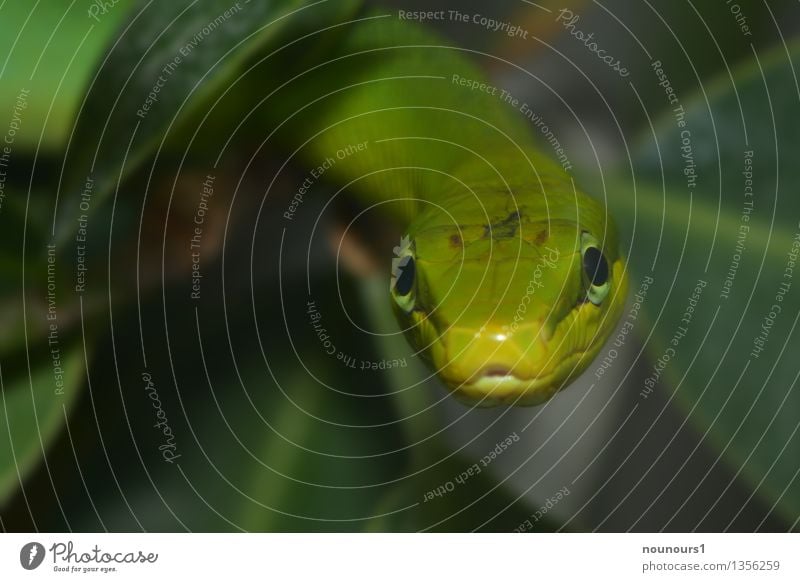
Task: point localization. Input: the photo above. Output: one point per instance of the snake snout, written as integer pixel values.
(492, 354)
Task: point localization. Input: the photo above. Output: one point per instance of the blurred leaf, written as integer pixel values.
(172, 59)
(33, 414)
(255, 455)
(296, 473)
(51, 48)
(695, 41)
(452, 496)
(742, 400)
(337, 492)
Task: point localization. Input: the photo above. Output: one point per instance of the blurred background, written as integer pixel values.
(146, 386)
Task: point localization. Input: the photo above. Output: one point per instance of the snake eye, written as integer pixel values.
(405, 280)
(404, 273)
(595, 268)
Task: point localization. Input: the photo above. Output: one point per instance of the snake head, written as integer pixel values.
(511, 309)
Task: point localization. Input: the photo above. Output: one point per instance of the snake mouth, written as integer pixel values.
(501, 386)
(496, 372)
(498, 384)
(495, 380)
(499, 374)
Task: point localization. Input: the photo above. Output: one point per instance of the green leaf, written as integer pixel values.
(34, 411)
(453, 496)
(171, 59)
(736, 382)
(289, 471)
(51, 48)
(256, 453)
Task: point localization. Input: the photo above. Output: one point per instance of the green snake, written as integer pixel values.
(508, 279)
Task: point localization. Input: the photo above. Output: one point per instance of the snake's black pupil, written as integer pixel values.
(596, 266)
(405, 280)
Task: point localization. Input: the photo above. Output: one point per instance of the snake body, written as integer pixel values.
(509, 279)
